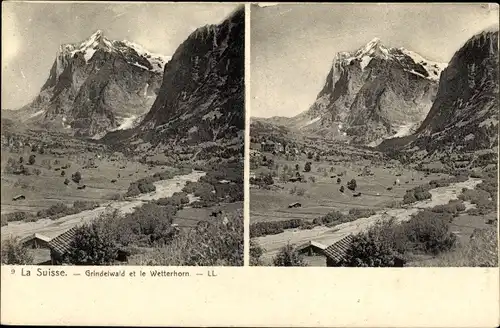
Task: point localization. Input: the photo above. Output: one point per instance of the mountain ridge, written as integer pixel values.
(94, 86)
(375, 89)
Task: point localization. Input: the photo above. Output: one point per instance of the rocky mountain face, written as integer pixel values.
(464, 116)
(201, 98)
(372, 94)
(96, 86)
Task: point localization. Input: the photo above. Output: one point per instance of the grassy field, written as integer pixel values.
(382, 183)
(323, 195)
(189, 217)
(48, 187)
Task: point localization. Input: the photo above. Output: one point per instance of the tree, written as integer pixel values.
(368, 251)
(339, 180)
(93, 244)
(288, 256)
(309, 155)
(63, 173)
(268, 179)
(307, 167)
(76, 177)
(297, 167)
(212, 243)
(255, 253)
(13, 252)
(31, 159)
(21, 160)
(66, 181)
(318, 158)
(352, 185)
(341, 188)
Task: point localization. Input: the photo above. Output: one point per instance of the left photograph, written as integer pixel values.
(122, 136)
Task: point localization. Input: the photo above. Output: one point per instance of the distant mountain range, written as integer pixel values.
(370, 94)
(393, 98)
(96, 86)
(117, 91)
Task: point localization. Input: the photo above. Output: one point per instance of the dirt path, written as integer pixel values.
(53, 228)
(328, 236)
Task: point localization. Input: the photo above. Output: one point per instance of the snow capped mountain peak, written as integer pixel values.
(410, 61)
(372, 48)
(97, 34)
(132, 52)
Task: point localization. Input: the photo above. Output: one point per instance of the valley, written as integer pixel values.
(391, 165)
(126, 156)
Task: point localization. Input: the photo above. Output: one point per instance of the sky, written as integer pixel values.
(33, 32)
(293, 45)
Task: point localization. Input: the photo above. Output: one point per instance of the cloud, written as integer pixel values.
(10, 38)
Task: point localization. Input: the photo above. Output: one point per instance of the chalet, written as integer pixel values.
(18, 197)
(336, 252)
(61, 245)
(295, 205)
(295, 179)
(36, 241)
(311, 248)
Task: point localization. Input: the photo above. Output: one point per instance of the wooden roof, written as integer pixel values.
(338, 250)
(61, 244)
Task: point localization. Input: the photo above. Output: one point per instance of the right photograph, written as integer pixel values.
(374, 135)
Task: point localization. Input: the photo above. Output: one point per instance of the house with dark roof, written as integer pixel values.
(61, 245)
(336, 252)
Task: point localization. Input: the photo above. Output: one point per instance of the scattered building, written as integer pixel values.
(18, 197)
(295, 205)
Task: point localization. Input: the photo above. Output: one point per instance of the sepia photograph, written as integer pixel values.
(374, 135)
(122, 133)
